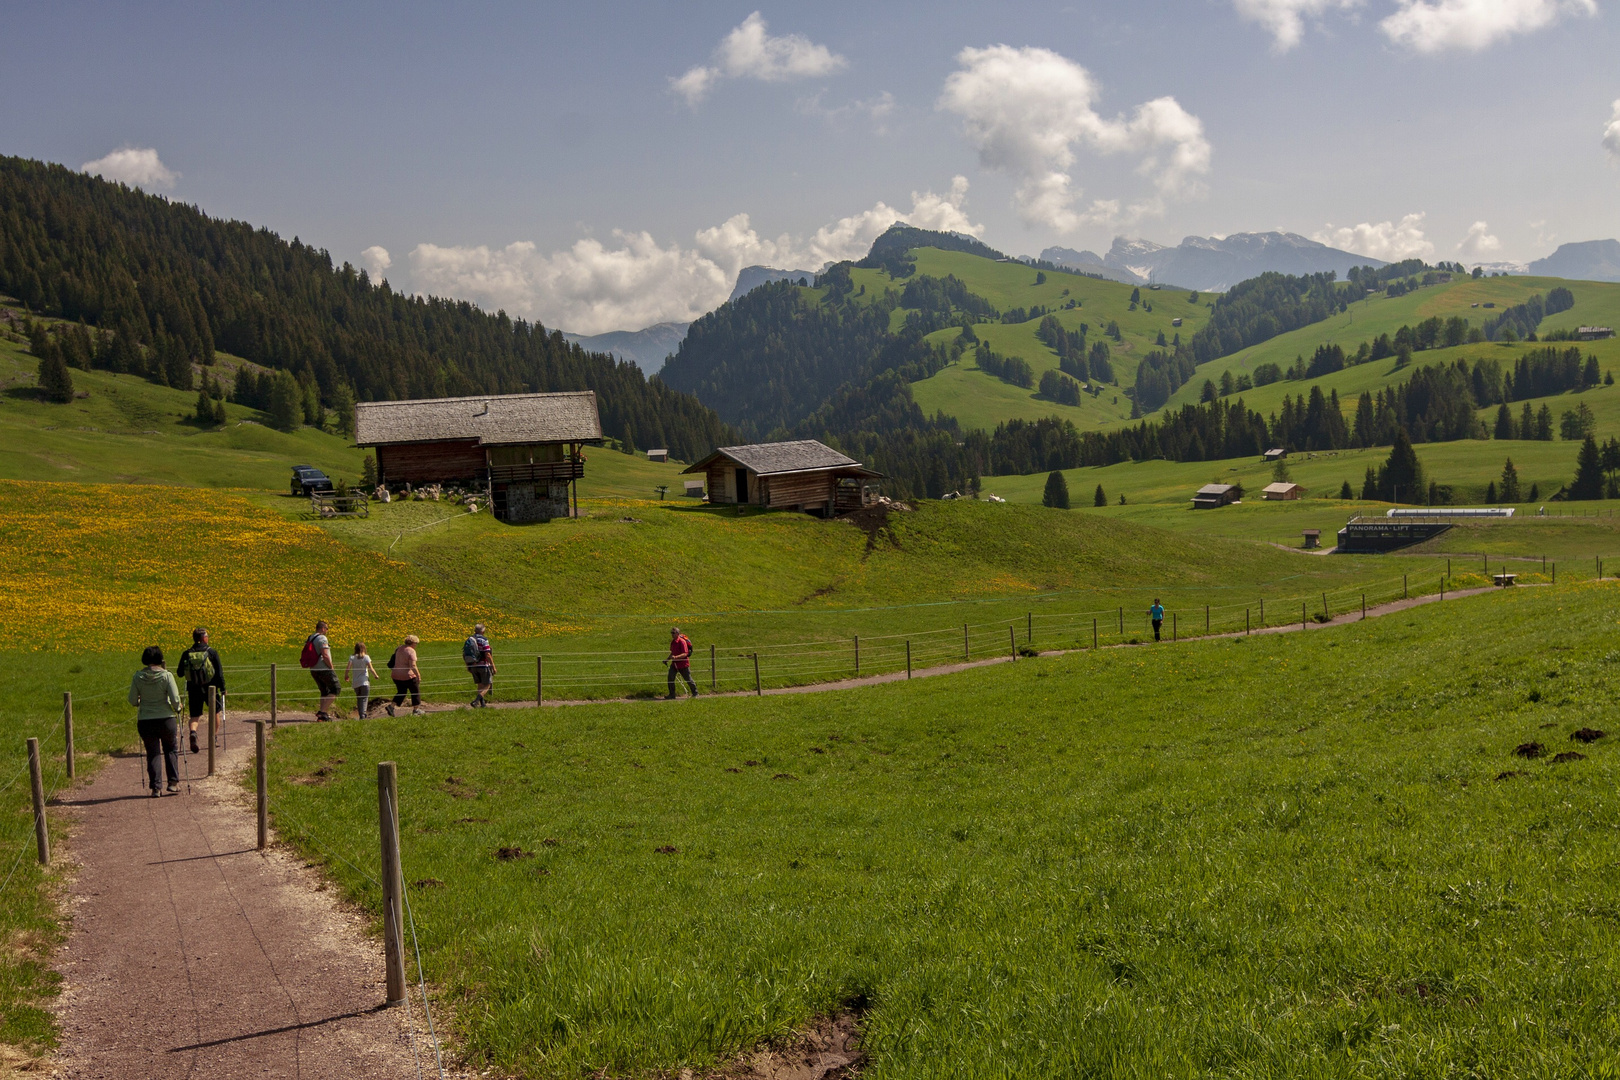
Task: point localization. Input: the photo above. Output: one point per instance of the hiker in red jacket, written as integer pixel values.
(680, 661)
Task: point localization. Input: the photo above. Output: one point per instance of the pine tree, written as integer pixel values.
(1504, 422)
(1544, 424)
(55, 379)
(286, 404)
(205, 407)
(1490, 492)
(1588, 472)
(1345, 492)
(1280, 473)
(1510, 483)
(1402, 474)
(1057, 492)
(1099, 499)
(1535, 493)
(1369, 484)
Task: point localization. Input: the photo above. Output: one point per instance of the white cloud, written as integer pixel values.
(1285, 19)
(591, 288)
(750, 52)
(1611, 134)
(1387, 240)
(1479, 241)
(376, 260)
(1027, 109)
(1431, 26)
(135, 166)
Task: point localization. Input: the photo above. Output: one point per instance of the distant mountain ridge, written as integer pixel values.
(647, 348)
(1587, 260)
(1210, 263)
(752, 277)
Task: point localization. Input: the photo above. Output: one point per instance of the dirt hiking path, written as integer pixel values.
(191, 954)
(510, 686)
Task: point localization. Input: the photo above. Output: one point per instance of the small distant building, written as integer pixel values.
(1211, 496)
(1275, 454)
(1594, 333)
(522, 450)
(1175, 322)
(1285, 490)
(1313, 539)
(694, 489)
(658, 455)
(799, 475)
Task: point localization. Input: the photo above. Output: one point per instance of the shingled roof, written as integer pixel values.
(493, 420)
(771, 459)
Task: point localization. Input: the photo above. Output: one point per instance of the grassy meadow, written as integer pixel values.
(1290, 856)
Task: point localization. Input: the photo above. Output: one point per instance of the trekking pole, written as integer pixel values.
(210, 731)
(67, 730)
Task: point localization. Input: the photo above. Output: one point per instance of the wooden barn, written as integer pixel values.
(523, 450)
(800, 475)
(1284, 490)
(1211, 496)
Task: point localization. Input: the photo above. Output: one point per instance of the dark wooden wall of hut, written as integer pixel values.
(431, 463)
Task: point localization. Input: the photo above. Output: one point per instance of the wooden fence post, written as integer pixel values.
(1403, 586)
(272, 695)
(757, 691)
(965, 654)
(1324, 606)
(1121, 622)
(1206, 618)
(42, 834)
(1029, 627)
(1555, 573)
(1012, 642)
(1363, 605)
(857, 656)
(712, 683)
(393, 883)
(258, 776)
(1442, 588)
(539, 681)
(1093, 633)
(1246, 629)
(210, 731)
(67, 730)
(908, 658)
(1173, 637)
(1262, 611)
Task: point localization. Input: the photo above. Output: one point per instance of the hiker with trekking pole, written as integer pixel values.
(201, 667)
(680, 661)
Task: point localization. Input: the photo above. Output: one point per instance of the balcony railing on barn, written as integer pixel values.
(539, 472)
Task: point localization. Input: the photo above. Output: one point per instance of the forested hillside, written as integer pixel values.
(165, 285)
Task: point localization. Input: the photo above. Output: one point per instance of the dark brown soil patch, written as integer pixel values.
(874, 522)
(458, 788)
(1510, 774)
(817, 750)
(784, 776)
(507, 854)
(1568, 755)
(666, 849)
(550, 841)
(1587, 735)
(733, 768)
(750, 764)
(830, 1049)
(472, 821)
(427, 883)
(1529, 749)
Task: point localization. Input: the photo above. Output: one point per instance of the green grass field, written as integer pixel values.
(1311, 855)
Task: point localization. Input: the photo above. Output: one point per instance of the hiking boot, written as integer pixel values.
(322, 718)
(156, 794)
(195, 749)
(418, 711)
(174, 789)
(389, 708)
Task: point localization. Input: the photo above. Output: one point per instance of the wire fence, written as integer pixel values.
(575, 674)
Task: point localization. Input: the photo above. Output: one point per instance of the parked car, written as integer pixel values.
(307, 479)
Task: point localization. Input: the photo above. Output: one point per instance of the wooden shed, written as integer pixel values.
(523, 450)
(799, 475)
(1275, 454)
(1210, 496)
(1285, 490)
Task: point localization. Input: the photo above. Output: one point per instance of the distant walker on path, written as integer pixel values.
(317, 657)
(1156, 613)
(479, 656)
(360, 673)
(680, 661)
(407, 679)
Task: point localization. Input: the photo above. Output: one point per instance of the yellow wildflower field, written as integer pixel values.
(96, 567)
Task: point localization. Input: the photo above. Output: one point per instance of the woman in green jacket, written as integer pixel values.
(156, 698)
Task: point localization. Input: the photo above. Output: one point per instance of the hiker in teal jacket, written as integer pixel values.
(156, 697)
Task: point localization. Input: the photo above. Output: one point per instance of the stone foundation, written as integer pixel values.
(536, 502)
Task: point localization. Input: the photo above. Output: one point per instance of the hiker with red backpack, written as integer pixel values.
(201, 667)
(479, 656)
(680, 661)
(317, 659)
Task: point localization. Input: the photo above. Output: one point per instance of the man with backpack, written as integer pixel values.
(479, 657)
(200, 667)
(317, 658)
(680, 661)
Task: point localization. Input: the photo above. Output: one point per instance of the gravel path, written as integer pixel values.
(191, 954)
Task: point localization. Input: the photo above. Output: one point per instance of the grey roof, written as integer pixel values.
(1215, 489)
(493, 420)
(769, 459)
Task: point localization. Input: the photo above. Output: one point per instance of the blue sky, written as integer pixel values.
(586, 164)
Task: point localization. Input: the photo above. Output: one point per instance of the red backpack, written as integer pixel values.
(310, 656)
